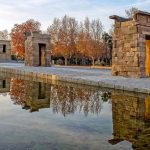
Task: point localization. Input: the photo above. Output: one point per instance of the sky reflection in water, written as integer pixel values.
(38, 115)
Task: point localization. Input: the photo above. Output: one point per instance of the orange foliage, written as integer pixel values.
(69, 39)
(63, 35)
(18, 36)
(17, 91)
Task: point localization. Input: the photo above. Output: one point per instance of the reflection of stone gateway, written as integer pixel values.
(131, 50)
(61, 98)
(37, 96)
(37, 49)
(4, 85)
(131, 116)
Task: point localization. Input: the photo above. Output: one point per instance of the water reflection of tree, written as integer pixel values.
(63, 98)
(4, 94)
(66, 99)
(17, 91)
(106, 96)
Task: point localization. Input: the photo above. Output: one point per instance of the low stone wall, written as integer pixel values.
(70, 79)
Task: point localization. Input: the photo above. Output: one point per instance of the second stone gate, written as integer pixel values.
(37, 49)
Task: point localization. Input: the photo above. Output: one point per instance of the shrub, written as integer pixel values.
(100, 63)
(59, 62)
(14, 57)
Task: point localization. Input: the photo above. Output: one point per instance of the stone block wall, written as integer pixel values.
(129, 47)
(129, 121)
(5, 51)
(32, 54)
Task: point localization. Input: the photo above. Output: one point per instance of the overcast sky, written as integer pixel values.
(18, 11)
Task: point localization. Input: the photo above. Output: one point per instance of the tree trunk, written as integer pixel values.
(69, 62)
(66, 63)
(93, 61)
(106, 54)
(82, 61)
(76, 60)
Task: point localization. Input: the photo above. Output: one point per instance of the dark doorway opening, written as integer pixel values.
(147, 37)
(42, 54)
(4, 84)
(4, 48)
(42, 89)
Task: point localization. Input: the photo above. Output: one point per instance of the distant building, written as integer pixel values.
(5, 51)
(131, 45)
(4, 85)
(37, 49)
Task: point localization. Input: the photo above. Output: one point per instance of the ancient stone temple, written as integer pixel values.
(5, 51)
(37, 49)
(131, 45)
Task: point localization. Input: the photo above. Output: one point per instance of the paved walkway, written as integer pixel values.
(96, 77)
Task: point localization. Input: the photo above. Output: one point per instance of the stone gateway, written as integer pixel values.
(37, 49)
(5, 51)
(131, 45)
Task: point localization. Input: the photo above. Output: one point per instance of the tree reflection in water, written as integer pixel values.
(17, 91)
(130, 112)
(66, 99)
(61, 98)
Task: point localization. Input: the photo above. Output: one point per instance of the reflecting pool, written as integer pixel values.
(45, 115)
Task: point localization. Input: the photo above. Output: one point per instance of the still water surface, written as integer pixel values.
(60, 116)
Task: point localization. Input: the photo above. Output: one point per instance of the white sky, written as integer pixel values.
(18, 11)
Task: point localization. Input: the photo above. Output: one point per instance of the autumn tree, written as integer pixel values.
(111, 30)
(107, 40)
(90, 39)
(54, 31)
(72, 40)
(96, 35)
(130, 12)
(63, 35)
(81, 42)
(4, 35)
(18, 36)
(73, 25)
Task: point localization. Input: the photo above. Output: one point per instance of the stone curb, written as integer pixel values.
(53, 77)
